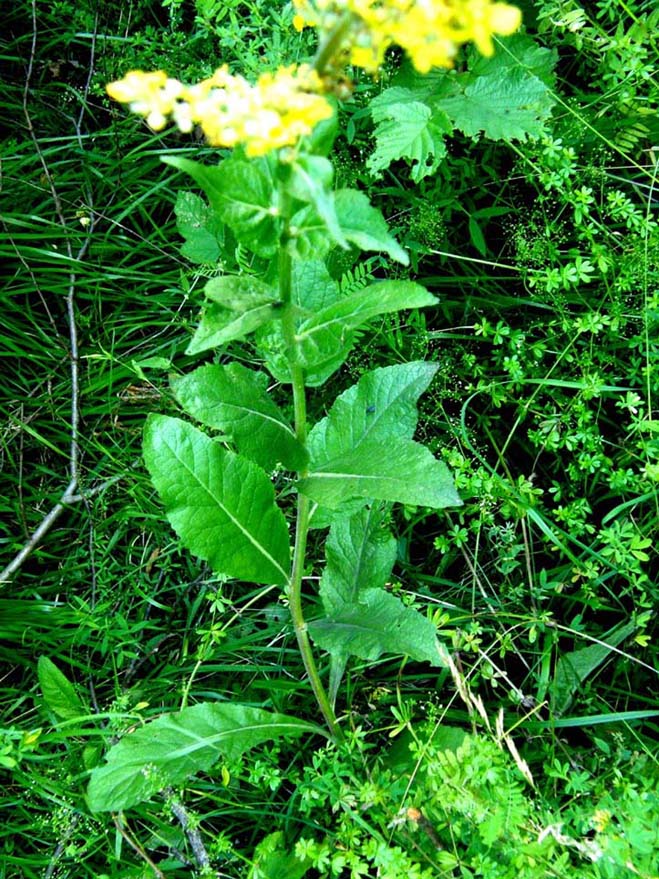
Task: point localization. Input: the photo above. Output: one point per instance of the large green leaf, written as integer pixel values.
(509, 105)
(402, 471)
(239, 305)
(380, 407)
(232, 398)
(58, 692)
(508, 96)
(173, 747)
(364, 225)
(406, 128)
(362, 448)
(199, 225)
(522, 52)
(221, 505)
(242, 197)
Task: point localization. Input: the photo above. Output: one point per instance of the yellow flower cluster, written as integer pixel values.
(276, 112)
(430, 31)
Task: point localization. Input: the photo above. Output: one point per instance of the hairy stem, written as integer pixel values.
(302, 520)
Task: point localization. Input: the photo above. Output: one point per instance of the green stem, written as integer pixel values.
(302, 520)
(331, 46)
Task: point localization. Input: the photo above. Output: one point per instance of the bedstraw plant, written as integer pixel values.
(271, 219)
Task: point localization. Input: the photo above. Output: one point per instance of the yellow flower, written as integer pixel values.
(149, 94)
(600, 820)
(430, 31)
(276, 112)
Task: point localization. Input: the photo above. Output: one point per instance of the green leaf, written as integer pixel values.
(219, 326)
(309, 237)
(327, 337)
(405, 472)
(173, 747)
(241, 196)
(313, 289)
(362, 448)
(221, 505)
(273, 860)
(379, 623)
(519, 51)
(507, 96)
(333, 322)
(238, 292)
(510, 105)
(362, 619)
(360, 553)
(365, 226)
(58, 692)
(198, 224)
(407, 129)
(231, 398)
(572, 669)
(380, 407)
(239, 305)
(311, 181)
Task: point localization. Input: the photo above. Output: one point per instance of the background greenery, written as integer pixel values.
(544, 252)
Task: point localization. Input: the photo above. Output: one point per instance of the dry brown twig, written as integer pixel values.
(71, 494)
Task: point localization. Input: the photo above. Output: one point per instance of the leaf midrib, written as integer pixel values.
(229, 515)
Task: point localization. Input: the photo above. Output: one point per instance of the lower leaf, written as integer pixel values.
(173, 747)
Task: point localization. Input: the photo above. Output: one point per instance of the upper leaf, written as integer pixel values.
(365, 226)
(362, 448)
(357, 309)
(232, 399)
(173, 747)
(313, 289)
(200, 227)
(239, 305)
(403, 471)
(241, 195)
(310, 181)
(221, 505)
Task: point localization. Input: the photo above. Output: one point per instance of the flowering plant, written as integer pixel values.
(275, 196)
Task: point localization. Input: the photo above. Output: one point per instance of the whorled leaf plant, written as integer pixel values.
(275, 196)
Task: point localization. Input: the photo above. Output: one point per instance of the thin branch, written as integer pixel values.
(193, 835)
(70, 494)
(69, 497)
